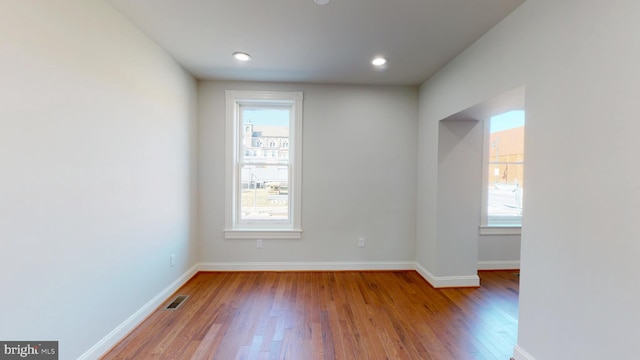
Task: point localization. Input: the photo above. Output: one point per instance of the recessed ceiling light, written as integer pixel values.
(321, 2)
(379, 61)
(240, 56)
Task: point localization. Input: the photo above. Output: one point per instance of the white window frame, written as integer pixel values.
(235, 229)
(495, 225)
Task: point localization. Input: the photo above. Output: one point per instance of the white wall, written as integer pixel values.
(96, 146)
(499, 251)
(579, 61)
(459, 193)
(359, 177)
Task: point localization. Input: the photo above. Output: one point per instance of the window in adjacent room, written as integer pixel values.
(504, 166)
(263, 190)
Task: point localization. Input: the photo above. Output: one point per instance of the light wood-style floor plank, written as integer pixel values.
(330, 316)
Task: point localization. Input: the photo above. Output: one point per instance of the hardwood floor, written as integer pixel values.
(330, 315)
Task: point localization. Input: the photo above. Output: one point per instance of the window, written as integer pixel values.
(263, 193)
(504, 169)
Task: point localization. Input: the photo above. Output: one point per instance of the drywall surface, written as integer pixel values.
(96, 146)
(459, 194)
(579, 62)
(358, 176)
(499, 251)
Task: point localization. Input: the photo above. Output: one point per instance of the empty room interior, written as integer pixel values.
(326, 179)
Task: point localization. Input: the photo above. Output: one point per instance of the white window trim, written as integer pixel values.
(503, 228)
(293, 229)
(500, 230)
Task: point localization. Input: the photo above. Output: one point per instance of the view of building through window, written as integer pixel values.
(264, 163)
(506, 168)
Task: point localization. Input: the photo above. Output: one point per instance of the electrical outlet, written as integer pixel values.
(361, 242)
(259, 244)
(172, 260)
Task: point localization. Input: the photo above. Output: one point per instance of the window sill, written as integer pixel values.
(264, 234)
(500, 230)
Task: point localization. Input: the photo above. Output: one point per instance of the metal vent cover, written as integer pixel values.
(176, 302)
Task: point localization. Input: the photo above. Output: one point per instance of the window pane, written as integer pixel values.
(506, 166)
(265, 136)
(265, 192)
(505, 190)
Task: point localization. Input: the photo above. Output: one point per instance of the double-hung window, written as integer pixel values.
(504, 169)
(264, 159)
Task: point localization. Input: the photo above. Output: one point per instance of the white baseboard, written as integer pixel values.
(307, 266)
(448, 281)
(104, 345)
(519, 354)
(499, 265)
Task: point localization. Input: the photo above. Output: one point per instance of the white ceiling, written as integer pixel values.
(300, 41)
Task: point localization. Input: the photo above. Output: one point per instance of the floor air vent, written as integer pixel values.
(176, 302)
